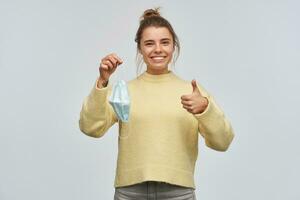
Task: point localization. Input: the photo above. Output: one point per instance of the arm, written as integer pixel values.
(97, 115)
(214, 126)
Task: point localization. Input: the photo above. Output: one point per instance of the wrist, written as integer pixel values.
(102, 82)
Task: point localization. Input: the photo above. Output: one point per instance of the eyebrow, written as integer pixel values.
(163, 39)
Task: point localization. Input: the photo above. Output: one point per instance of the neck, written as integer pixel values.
(157, 72)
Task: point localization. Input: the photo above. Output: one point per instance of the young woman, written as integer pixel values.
(158, 146)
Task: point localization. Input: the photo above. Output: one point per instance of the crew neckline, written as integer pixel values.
(157, 77)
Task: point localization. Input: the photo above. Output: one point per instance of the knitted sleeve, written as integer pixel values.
(213, 125)
(97, 115)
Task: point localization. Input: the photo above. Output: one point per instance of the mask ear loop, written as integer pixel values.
(121, 72)
(116, 76)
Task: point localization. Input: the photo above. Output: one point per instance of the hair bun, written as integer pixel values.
(151, 13)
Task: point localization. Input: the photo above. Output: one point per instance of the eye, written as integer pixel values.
(166, 42)
(148, 44)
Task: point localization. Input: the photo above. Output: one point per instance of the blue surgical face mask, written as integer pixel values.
(120, 100)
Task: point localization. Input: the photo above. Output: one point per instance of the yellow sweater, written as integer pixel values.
(160, 140)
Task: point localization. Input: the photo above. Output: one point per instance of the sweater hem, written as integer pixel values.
(154, 172)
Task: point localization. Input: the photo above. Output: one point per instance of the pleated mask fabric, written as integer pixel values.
(120, 100)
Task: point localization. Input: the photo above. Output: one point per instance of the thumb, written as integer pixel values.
(194, 85)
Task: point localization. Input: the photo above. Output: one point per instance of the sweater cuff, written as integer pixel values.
(99, 93)
(96, 85)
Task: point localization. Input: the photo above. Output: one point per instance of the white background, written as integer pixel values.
(245, 53)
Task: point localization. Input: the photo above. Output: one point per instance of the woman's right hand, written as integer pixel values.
(108, 65)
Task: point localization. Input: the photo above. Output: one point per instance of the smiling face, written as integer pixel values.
(157, 47)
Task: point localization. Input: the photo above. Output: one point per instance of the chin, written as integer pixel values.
(159, 65)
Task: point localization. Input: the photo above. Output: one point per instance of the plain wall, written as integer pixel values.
(245, 53)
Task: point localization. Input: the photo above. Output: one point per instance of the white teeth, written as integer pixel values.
(158, 58)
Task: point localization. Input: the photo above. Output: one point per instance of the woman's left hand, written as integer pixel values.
(194, 103)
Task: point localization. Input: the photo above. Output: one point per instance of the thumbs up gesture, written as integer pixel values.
(194, 103)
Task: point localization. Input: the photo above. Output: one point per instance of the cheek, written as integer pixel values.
(146, 51)
(144, 54)
(170, 50)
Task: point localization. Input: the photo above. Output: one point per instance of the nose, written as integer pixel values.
(157, 48)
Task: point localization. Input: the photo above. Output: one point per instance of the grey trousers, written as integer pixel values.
(154, 190)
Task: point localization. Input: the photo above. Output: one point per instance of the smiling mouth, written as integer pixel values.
(158, 58)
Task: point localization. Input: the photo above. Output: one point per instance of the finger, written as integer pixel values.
(108, 63)
(108, 59)
(187, 108)
(120, 61)
(104, 66)
(113, 60)
(188, 103)
(194, 85)
(185, 97)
